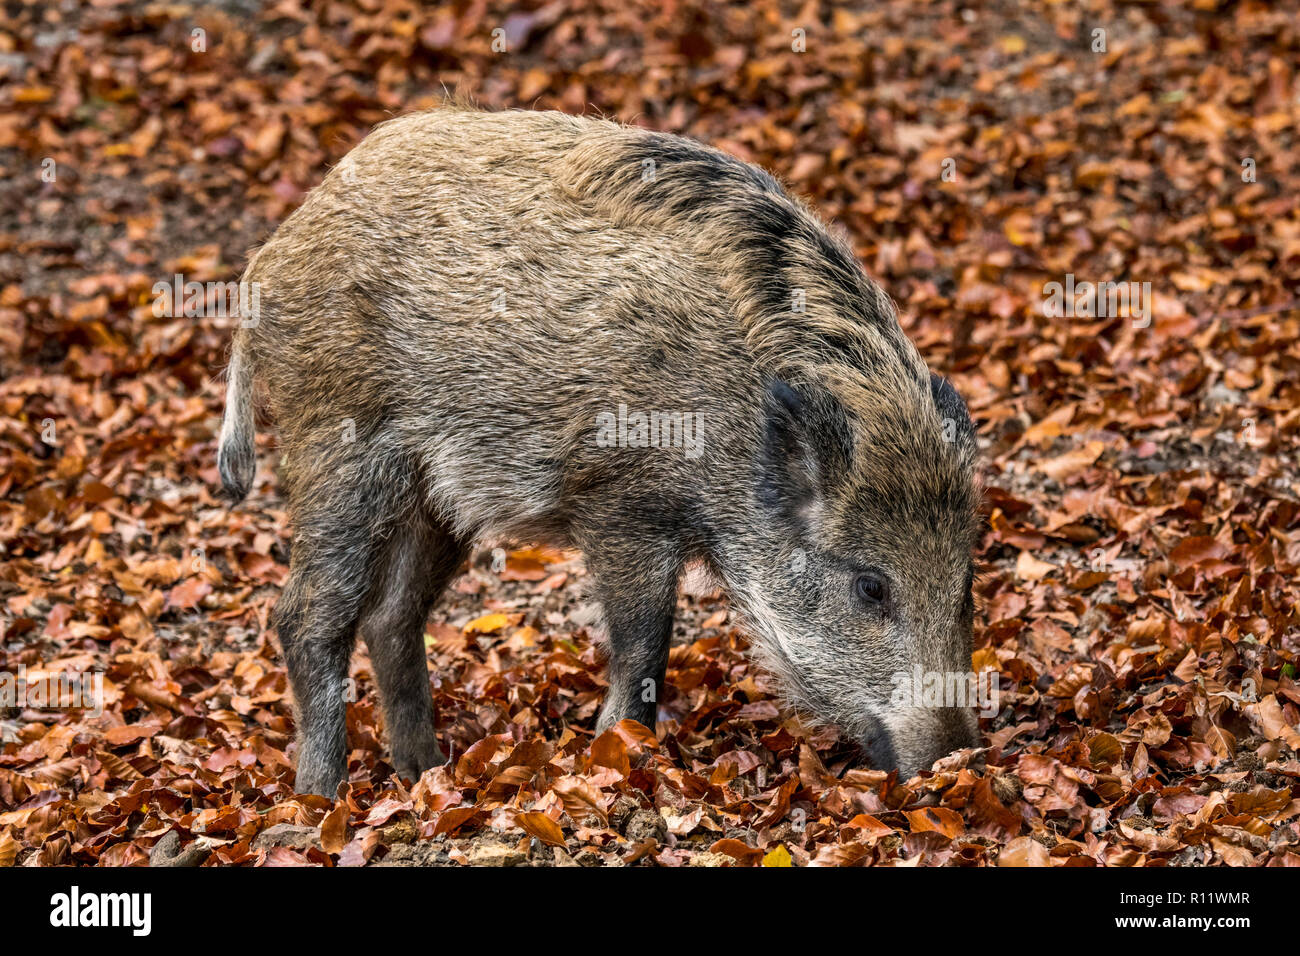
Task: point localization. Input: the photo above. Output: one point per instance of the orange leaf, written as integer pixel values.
(541, 826)
(334, 828)
(939, 819)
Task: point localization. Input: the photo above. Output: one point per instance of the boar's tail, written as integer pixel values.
(236, 455)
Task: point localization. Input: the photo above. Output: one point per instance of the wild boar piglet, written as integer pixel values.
(533, 326)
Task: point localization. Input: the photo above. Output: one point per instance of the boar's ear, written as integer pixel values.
(807, 448)
(953, 413)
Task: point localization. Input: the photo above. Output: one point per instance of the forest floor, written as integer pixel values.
(1138, 589)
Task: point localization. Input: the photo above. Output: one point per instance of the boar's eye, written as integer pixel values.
(871, 589)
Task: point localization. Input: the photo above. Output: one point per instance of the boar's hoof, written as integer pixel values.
(321, 784)
(411, 765)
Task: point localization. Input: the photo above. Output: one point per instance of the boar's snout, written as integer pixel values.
(912, 740)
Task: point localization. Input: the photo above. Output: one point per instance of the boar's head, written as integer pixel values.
(868, 514)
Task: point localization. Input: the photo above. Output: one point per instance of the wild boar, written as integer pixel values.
(500, 324)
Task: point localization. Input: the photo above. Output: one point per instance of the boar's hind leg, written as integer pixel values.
(637, 586)
(419, 561)
(316, 618)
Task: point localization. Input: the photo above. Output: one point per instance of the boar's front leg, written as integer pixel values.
(420, 560)
(637, 586)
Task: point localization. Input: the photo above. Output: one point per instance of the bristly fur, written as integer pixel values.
(447, 316)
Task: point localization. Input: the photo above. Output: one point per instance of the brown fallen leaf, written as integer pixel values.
(1072, 462)
(1024, 851)
(542, 827)
(334, 828)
